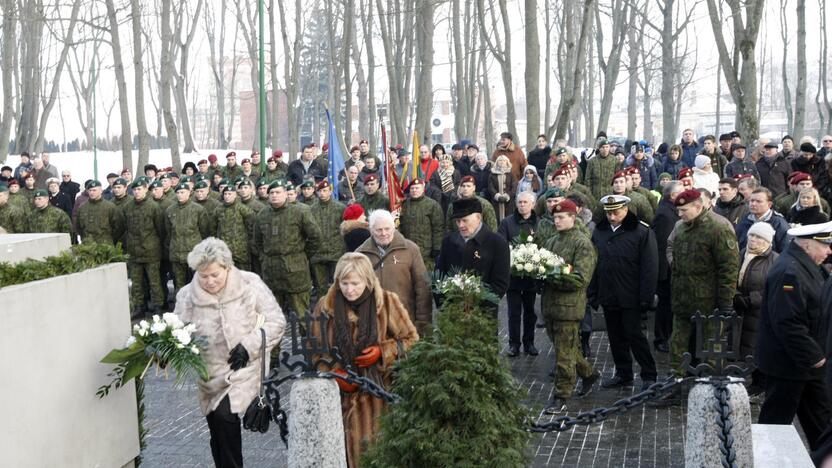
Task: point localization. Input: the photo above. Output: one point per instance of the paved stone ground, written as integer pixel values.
(642, 437)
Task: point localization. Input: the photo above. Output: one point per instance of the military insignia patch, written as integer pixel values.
(788, 288)
(681, 201)
(732, 244)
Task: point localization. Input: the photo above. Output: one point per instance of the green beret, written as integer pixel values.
(173, 175)
(244, 181)
(665, 175)
(182, 186)
(290, 185)
(223, 181)
(120, 181)
(201, 184)
(307, 183)
(164, 176)
(156, 184)
(554, 192)
(4, 188)
(199, 176)
(87, 183)
(94, 183)
(187, 178)
(278, 183)
(228, 188)
(41, 193)
(145, 179)
(262, 183)
(140, 182)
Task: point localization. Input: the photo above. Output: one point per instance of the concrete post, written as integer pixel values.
(702, 444)
(316, 429)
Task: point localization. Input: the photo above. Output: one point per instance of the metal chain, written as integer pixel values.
(364, 384)
(724, 423)
(596, 415)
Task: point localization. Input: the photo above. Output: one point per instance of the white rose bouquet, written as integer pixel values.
(530, 261)
(166, 341)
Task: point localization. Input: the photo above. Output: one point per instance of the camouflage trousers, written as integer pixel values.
(571, 364)
(144, 279)
(323, 274)
(297, 302)
(182, 275)
(683, 340)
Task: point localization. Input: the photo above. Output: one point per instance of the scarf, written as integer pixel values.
(365, 308)
(750, 254)
(447, 178)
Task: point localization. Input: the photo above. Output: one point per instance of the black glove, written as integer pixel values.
(741, 302)
(239, 357)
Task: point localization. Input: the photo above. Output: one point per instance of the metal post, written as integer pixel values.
(262, 78)
(94, 137)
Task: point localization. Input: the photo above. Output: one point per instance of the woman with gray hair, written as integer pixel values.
(228, 307)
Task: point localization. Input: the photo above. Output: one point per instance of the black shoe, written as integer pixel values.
(585, 386)
(661, 347)
(540, 325)
(513, 351)
(645, 384)
(531, 350)
(557, 405)
(617, 381)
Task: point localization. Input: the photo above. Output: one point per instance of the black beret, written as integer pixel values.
(808, 148)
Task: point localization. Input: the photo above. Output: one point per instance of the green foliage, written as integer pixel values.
(460, 406)
(79, 258)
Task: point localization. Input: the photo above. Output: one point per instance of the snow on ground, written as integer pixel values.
(81, 163)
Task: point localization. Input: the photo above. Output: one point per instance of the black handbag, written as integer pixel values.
(259, 412)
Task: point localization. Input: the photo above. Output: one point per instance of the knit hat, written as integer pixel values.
(353, 212)
(762, 230)
(701, 160)
(665, 175)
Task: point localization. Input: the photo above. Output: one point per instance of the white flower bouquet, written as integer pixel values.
(166, 341)
(528, 260)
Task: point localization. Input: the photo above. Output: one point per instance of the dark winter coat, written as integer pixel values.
(663, 223)
(354, 232)
(486, 254)
(481, 177)
(741, 167)
(672, 167)
(689, 152)
(735, 210)
(510, 228)
(776, 220)
(774, 175)
(538, 157)
(62, 201)
(647, 168)
(750, 297)
(628, 265)
(297, 172)
(811, 215)
(792, 332)
(71, 189)
(814, 167)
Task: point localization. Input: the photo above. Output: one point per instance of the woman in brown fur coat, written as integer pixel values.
(371, 329)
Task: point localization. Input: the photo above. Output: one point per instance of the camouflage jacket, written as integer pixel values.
(49, 219)
(120, 202)
(186, 224)
(100, 221)
(565, 301)
(285, 238)
(376, 201)
(278, 173)
(546, 229)
(489, 217)
(599, 172)
(704, 268)
(12, 219)
(144, 230)
(235, 225)
(328, 216)
(651, 199)
(421, 221)
(232, 173)
(253, 204)
(20, 201)
(211, 206)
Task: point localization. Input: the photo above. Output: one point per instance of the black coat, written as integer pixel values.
(511, 227)
(663, 224)
(792, 332)
(750, 297)
(811, 215)
(297, 172)
(538, 158)
(775, 175)
(486, 254)
(71, 189)
(628, 266)
(62, 201)
(735, 210)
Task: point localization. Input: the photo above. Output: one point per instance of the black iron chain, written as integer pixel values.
(596, 415)
(364, 385)
(724, 423)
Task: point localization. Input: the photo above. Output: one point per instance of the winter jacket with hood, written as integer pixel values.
(535, 185)
(673, 167)
(354, 232)
(647, 167)
(750, 292)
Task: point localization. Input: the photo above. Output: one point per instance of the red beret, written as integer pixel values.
(355, 148)
(212, 158)
(13, 181)
(246, 160)
(687, 196)
(619, 175)
(230, 153)
(421, 181)
(324, 184)
(370, 178)
(740, 177)
(363, 141)
(563, 170)
(633, 170)
(201, 162)
(277, 154)
(685, 172)
(325, 147)
(799, 177)
(352, 212)
(566, 206)
(468, 179)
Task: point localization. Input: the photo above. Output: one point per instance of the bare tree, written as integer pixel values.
(532, 78)
(740, 68)
(166, 72)
(367, 20)
(424, 77)
(465, 62)
(291, 70)
(9, 9)
(800, 87)
(611, 65)
(30, 79)
(138, 76)
(121, 86)
(397, 26)
(825, 110)
(500, 49)
(635, 42)
(84, 69)
(246, 19)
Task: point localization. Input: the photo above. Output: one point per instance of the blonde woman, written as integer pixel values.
(807, 209)
(371, 329)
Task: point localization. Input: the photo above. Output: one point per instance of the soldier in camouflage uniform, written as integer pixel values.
(99, 220)
(564, 305)
(143, 236)
(120, 195)
(285, 235)
(11, 217)
(262, 189)
(638, 205)
(468, 189)
(275, 168)
(328, 214)
(599, 171)
(292, 196)
(245, 194)
(235, 226)
(421, 221)
(186, 224)
(45, 217)
(562, 179)
(307, 193)
(546, 224)
(634, 180)
(232, 170)
(201, 197)
(373, 199)
(157, 191)
(17, 199)
(168, 194)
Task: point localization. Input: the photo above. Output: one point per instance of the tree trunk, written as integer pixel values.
(800, 87)
(30, 82)
(7, 60)
(532, 78)
(138, 73)
(121, 85)
(165, 73)
(367, 21)
(787, 94)
(424, 80)
(612, 65)
(570, 92)
(216, 50)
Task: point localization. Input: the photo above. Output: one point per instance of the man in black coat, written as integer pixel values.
(473, 247)
(792, 334)
(57, 198)
(70, 187)
(624, 284)
(663, 224)
(774, 169)
(521, 291)
(306, 167)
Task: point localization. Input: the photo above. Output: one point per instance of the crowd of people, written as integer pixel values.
(701, 226)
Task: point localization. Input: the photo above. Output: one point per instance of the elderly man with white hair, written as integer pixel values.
(521, 291)
(57, 198)
(398, 264)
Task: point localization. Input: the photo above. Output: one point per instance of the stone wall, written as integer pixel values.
(15, 248)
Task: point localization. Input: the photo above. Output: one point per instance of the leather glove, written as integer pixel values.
(369, 356)
(345, 386)
(238, 357)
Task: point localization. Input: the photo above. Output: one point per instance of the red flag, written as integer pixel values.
(394, 188)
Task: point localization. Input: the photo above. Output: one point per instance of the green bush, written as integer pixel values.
(460, 405)
(79, 258)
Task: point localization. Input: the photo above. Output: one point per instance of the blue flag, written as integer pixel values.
(336, 156)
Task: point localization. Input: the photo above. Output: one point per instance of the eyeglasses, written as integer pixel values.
(66, 175)
(827, 141)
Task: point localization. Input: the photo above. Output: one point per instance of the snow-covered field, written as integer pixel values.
(81, 163)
